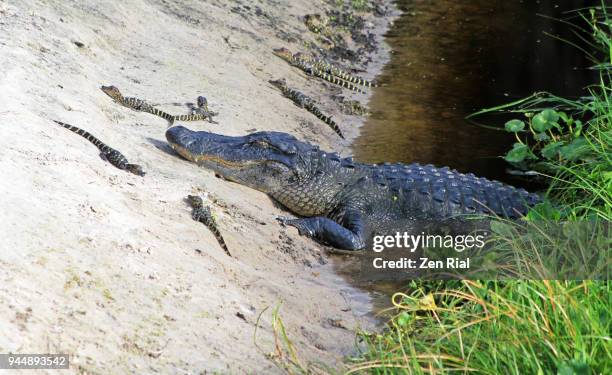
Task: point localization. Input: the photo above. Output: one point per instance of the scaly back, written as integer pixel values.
(442, 192)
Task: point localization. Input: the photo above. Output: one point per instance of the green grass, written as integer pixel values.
(523, 326)
(495, 328)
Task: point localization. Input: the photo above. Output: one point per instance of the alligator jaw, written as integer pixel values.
(204, 148)
(247, 160)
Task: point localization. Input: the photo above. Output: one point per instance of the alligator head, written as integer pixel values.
(203, 102)
(284, 53)
(113, 92)
(266, 161)
(279, 83)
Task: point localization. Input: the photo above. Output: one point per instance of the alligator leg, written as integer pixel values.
(328, 231)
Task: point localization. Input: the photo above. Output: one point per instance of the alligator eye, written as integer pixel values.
(259, 143)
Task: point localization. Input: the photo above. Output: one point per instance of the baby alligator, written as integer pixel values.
(199, 112)
(113, 156)
(203, 214)
(135, 103)
(308, 67)
(333, 70)
(306, 102)
(142, 106)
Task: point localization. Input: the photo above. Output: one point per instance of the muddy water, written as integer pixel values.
(451, 58)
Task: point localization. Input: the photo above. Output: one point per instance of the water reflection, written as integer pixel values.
(452, 58)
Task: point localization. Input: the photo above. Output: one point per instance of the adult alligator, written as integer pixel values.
(343, 202)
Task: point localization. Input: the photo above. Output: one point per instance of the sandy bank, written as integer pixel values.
(110, 267)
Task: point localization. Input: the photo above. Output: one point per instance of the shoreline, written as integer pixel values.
(352, 124)
(381, 57)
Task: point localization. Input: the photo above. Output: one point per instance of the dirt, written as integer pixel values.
(109, 267)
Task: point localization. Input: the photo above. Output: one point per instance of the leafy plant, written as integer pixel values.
(549, 135)
(569, 141)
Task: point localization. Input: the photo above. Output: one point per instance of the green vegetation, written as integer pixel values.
(514, 326)
(495, 328)
(570, 142)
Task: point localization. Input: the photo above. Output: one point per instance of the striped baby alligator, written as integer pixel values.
(306, 102)
(333, 70)
(203, 214)
(113, 156)
(202, 112)
(318, 70)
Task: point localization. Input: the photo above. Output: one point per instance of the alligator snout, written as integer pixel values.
(179, 136)
(201, 145)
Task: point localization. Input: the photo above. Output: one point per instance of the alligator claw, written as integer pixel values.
(299, 224)
(283, 220)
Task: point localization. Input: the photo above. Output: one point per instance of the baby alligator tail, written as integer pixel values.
(326, 119)
(334, 70)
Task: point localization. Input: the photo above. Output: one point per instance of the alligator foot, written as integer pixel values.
(327, 231)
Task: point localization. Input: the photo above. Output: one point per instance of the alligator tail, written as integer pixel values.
(90, 137)
(334, 70)
(212, 225)
(337, 81)
(356, 80)
(326, 119)
(351, 78)
(307, 103)
(191, 117)
(142, 106)
(154, 111)
(325, 71)
(443, 192)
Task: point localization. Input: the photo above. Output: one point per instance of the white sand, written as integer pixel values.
(109, 267)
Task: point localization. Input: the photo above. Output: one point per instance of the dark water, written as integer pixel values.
(451, 58)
